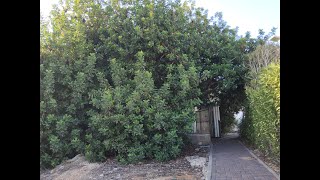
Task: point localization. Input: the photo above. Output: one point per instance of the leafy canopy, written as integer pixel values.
(122, 77)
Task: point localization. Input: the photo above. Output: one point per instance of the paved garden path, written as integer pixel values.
(231, 160)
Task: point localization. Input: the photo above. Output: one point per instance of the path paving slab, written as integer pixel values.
(231, 160)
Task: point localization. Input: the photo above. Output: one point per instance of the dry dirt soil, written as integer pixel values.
(191, 165)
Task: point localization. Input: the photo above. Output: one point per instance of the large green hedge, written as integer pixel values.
(122, 77)
(261, 125)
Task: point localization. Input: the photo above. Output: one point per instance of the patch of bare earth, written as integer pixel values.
(191, 165)
(76, 168)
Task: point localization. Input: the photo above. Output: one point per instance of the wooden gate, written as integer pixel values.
(202, 123)
(208, 121)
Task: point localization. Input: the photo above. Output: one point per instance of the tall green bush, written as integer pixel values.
(261, 126)
(137, 120)
(122, 77)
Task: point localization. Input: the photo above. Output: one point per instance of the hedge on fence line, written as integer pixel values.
(261, 125)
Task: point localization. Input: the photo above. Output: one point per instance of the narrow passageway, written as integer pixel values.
(231, 160)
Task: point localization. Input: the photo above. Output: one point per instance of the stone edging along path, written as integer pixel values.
(261, 162)
(230, 158)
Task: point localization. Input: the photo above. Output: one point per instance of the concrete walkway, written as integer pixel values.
(231, 160)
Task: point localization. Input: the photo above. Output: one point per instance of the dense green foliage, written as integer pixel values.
(261, 125)
(123, 77)
(137, 120)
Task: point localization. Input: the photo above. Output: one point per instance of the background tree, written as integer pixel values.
(261, 124)
(265, 54)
